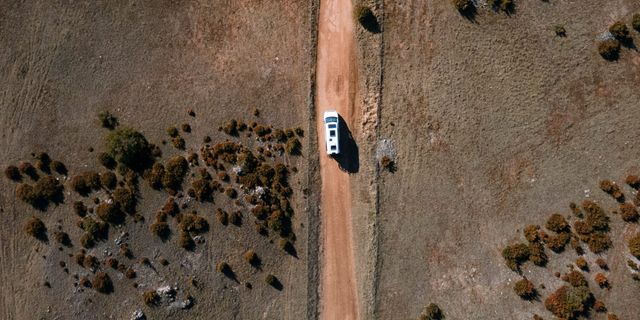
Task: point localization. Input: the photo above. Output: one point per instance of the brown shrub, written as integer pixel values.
(62, 238)
(102, 283)
(634, 246)
(79, 185)
(107, 160)
(609, 49)
(251, 258)
(130, 273)
(612, 189)
(160, 229)
(582, 228)
(633, 181)
(575, 210)
(620, 31)
(26, 193)
(151, 298)
(193, 223)
(293, 147)
(575, 278)
(236, 218)
(582, 264)
(635, 21)
(602, 280)
(108, 180)
(222, 216)
(431, 312)
(28, 169)
(272, 281)
(110, 212)
(599, 306)
(537, 255)
(628, 212)
(223, 267)
(595, 215)
(203, 190)
(387, 163)
(175, 170)
(185, 241)
(515, 255)
(558, 243)
(36, 228)
(598, 242)
(13, 173)
(602, 264)
(525, 289)
(568, 302)
(612, 316)
(557, 223)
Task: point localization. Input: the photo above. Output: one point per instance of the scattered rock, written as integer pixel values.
(138, 315)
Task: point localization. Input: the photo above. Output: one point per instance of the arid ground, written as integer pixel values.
(492, 121)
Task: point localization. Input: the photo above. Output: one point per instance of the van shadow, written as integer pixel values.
(348, 159)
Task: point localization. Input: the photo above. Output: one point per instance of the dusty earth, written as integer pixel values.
(336, 90)
(148, 62)
(497, 123)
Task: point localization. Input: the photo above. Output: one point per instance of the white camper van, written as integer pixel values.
(331, 132)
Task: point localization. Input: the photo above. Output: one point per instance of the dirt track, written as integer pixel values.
(336, 88)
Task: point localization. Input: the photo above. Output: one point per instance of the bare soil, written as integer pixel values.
(336, 89)
(148, 62)
(498, 123)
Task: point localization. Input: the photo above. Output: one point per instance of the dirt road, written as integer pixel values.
(336, 89)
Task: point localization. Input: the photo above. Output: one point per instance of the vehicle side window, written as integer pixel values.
(332, 133)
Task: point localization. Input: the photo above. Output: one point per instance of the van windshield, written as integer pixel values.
(331, 119)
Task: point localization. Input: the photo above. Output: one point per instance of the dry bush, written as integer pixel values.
(80, 209)
(463, 6)
(108, 180)
(634, 246)
(125, 198)
(387, 163)
(261, 131)
(202, 189)
(598, 242)
(602, 280)
(525, 289)
(62, 238)
(633, 181)
(236, 218)
(568, 302)
(558, 243)
(110, 212)
(609, 49)
(179, 143)
(185, 241)
(12, 173)
(174, 173)
(595, 216)
(222, 216)
(582, 228)
(635, 21)
(576, 279)
(130, 273)
(557, 223)
(151, 298)
(80, 186)
(504, 5)
(599, 306)
(26, 193)
(90, 262)
(107, 120)
(537, 255)
(223, 267)
(582, 264)
(251, 258)
(112, 263)
(160, 229)
(620, 31)
(602, 264)
(28, 169)
(612, 189)
(431, 312)
(293, 147)
(273, 281)
(231, 128)
(36, 228)
(628, 212)
(193, 223)
(107, 160)
(612, 316)
(102, 283)
(515, 255)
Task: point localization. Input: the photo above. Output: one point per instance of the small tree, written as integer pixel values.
(128, 147)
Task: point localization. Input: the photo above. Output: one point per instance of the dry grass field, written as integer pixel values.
(148, 62)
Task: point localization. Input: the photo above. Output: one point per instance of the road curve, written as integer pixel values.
(336, 89)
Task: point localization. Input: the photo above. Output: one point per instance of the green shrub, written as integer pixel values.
(432, 312)
(557, 223)
(102, 283)
(151, 298)
(36, 228)
(634, 246)
(609, 49)
(619, 30)
(525, 289)
(107, 120)
(628, 212)
(515, 255)
(95, 229)
(128, 147)
(161, 230)
(568, 302)
(13, 173)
